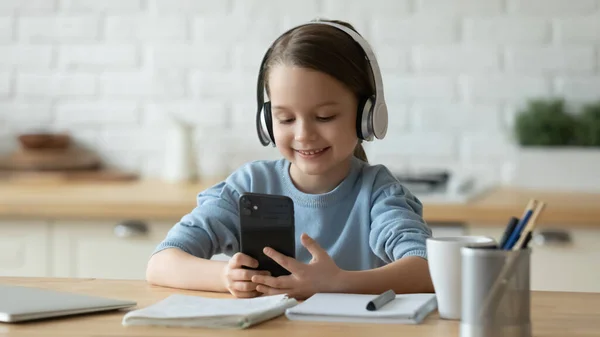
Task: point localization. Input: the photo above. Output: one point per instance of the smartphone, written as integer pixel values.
(267, 220)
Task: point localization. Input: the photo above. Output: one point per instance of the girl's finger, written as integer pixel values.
(246, 294)
(244, 286)
(245, 274)
(288, 263)
(281, 282)
(271, 291)
(238, 260)
(312, 246)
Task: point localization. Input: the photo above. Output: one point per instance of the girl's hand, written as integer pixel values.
(238, 280)
(320, 275)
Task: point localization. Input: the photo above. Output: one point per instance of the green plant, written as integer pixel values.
(588, 130)
(544, 122)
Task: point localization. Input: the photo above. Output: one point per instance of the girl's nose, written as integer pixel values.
(305, 131)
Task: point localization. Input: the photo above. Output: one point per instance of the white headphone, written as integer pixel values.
(372, 114)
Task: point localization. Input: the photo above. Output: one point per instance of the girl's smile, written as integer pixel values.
(312, 154)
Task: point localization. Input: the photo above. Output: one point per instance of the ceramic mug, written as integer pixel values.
(445, 268)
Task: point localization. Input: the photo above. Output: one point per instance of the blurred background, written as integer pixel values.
(481, 93)
(455, 73)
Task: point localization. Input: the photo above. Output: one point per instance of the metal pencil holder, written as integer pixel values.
(496, 296)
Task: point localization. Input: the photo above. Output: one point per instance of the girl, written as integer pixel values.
(359, 230)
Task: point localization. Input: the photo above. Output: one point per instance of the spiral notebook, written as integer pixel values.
(196, 311)
(351, 308)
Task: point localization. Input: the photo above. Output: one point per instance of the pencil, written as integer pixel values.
(514, 236)
(530, 226)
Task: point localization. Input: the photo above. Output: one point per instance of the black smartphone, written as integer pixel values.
(267, 220)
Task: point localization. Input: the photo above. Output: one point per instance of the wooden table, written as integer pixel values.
(553, 314)
(157, 200)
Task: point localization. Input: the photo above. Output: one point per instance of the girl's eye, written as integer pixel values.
(325, 119)
(286, 121)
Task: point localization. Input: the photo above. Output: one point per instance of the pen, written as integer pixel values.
(530, 227)
(381, 300)
(512, 239)
(527, 239)
(512, 223)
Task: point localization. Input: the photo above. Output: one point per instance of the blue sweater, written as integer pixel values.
(367, 221)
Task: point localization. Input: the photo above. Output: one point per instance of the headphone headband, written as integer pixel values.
(366, 47)
(373, 124)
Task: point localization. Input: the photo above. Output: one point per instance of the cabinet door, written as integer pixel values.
(561, 260)
(24, 248)
(113, 250)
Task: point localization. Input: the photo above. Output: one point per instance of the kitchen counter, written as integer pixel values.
(158, 200)
(552, 314)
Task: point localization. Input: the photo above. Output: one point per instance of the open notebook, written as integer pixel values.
(405, 308)
(196, 311)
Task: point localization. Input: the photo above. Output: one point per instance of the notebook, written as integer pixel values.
(195, 311)
(404, 309)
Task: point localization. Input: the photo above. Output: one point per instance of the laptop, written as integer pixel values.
(18, 304)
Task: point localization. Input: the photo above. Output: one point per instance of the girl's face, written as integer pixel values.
(314, 119)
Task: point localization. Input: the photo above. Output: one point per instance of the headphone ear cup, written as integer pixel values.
(359, 114)
(268, 120)
(364, 116)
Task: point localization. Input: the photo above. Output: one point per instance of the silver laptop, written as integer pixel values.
(19, 304)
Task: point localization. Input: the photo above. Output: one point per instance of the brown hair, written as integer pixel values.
(329, 50)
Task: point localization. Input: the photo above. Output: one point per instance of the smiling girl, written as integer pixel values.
(358, 229)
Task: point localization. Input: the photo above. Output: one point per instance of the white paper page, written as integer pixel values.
(186, 306)
(355, 305)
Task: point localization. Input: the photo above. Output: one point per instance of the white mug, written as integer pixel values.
(445, 268)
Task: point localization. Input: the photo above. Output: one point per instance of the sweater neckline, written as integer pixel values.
(324, 199)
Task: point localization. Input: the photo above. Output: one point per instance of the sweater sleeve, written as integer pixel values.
(210, 228)
(397, 225)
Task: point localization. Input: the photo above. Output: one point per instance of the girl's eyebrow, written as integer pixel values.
(320, 105)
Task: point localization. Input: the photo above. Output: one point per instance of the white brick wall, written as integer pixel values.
(576, 59)
(456, 59)
(25, 56)
(415, 87)
(506, 30)
(455, 117)
(134, 84)
(579, 87)
(92, 113)
(499, 88)
(455, 71)
(59, 28)
(207, 57)
(205, 7)
(145, 28)
(6, 29)
(417, 30)
(552, 7)
(397, 8)
(204, 114)
(93, 6)
(5, 83)
(49, 84)
(581, 29)
(98, 56)
(26, 6)
(462, 7)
